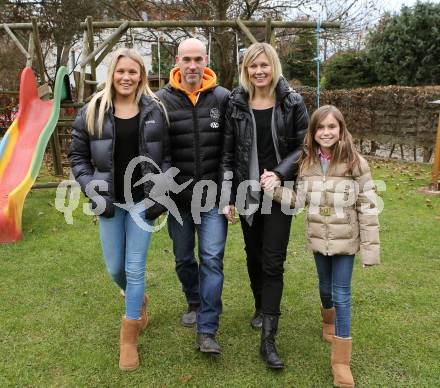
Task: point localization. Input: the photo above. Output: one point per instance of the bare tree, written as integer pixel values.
(223, 46)
(59, 22)
(356, 17)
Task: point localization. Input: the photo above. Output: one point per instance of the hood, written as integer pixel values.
(209, 80)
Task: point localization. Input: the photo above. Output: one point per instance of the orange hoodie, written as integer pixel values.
(209, 80)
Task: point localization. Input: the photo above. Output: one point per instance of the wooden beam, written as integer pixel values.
(246, 31)
(89, 22)
(16, 41)
(208, 23)
(91, 56)
(109, 47)
(18, 26)
(49, 185)
(82, 70)
(31, 50)
(39, 51)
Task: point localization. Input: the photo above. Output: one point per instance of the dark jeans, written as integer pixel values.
(266, 247)
(202, 283)
(334, 274)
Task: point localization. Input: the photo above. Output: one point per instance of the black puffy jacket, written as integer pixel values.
(196, 135)
(91, 157)
(291, 121)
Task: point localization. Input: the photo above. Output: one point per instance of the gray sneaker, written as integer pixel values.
(190, 317)
(206, 343)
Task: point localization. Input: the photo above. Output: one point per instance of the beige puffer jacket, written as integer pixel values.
(342, 214)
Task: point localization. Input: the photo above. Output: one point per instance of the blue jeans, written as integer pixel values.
(334, 274)
(202, 283)
(124, 246)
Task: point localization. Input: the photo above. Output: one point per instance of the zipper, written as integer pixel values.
(196, 144)
(112, 119)
(196, 135)
(325, 217)
(275, 139)
(196, 138)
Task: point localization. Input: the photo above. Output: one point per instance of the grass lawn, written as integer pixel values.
(60, 312)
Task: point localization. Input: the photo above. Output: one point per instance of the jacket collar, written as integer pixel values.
(240, 97)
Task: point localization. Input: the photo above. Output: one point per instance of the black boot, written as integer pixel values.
(267, 349)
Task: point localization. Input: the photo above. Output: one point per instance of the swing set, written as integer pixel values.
(35, 103)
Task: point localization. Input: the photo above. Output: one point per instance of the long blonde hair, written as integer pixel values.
(106, 95)
(252, 52)
(344, 151)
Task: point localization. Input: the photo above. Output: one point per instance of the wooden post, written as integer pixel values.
(31, 50)
(56, 153)
(39, 51)
(270, 36)
(91, 47)
(436, 166)
(82, 71)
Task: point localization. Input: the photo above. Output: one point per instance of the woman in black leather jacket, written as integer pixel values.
(121, 123)
(265, 126)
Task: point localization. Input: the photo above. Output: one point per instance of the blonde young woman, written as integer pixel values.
(120, 123)
(342, 219)
(265, 126)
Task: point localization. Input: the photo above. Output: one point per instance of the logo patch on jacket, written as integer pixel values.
(214, 113)
(215, 124)
(150, 122)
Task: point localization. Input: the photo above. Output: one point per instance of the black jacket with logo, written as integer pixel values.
(92, 157)
(196, 136)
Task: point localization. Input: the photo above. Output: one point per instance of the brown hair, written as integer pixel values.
(343, 151)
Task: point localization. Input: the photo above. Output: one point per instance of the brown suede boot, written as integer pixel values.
(328, 323)
(144, 315)
(128, 355)
(340, 359)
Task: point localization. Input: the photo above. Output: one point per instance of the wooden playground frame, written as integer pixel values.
(93, 56)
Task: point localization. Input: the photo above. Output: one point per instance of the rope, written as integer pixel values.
(237, 54)
(318, 61)
(158, 58)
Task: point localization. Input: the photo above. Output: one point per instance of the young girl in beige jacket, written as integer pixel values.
(335, 183)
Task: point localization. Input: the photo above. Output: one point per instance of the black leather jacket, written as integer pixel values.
(291, 121)
(91, 157)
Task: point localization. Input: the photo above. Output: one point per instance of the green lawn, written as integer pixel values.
(60, 312)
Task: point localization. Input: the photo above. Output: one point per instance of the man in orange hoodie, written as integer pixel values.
(195, 106)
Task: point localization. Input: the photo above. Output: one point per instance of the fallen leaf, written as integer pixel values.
(185, 379)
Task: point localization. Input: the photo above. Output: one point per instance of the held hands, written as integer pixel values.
(229, 213)
(269, 180)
